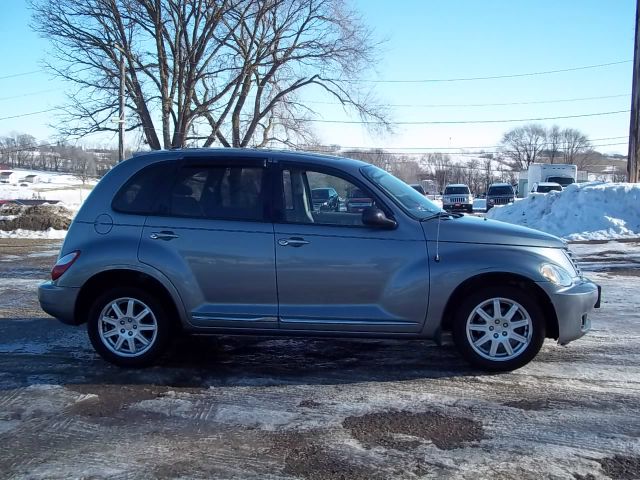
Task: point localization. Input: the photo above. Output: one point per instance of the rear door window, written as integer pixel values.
(217, 192)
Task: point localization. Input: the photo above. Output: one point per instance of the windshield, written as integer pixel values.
(409, 199)
(456, 191)
(320, 193)
(564, 181)
(503, 190)
(548, 188)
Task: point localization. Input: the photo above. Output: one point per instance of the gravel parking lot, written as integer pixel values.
(317, 409)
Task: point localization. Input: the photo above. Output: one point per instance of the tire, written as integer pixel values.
(111, 331)
(524, 334)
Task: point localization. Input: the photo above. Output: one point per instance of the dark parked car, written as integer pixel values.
(226, 242)
(357, 201)
(325, 199)
(500, 194)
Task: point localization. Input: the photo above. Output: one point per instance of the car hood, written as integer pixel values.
(469, 229)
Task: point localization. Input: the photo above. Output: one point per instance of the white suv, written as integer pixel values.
(457, 197)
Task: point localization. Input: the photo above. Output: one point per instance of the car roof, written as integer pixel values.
(549, 184)
(457, 185)
(276, 155)
(500, 184)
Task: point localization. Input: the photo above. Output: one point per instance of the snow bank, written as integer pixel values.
(586, 211)
(50, 233)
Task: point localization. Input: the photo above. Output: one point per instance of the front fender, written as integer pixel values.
(459, 262)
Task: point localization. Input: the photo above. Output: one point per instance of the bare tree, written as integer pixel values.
(554, 142)
(406, 169)
(206, 71)
(487, 170)
(375, 156)
(575, 146)
(522, 145)
(440, 164)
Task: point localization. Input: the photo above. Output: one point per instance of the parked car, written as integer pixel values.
(500, 194)
(418, 188)
(546, 187)
(325, 199)
(457, 197)
(227, 242)
(358, 201)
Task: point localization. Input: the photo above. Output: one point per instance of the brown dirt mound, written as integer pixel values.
(445, 431)
(36, 217)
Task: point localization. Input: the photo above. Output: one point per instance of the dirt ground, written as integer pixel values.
(317, 409)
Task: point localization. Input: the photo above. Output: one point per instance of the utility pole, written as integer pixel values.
(634, 125)
(121, 115)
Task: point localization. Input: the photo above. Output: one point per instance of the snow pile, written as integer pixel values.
(587, 211)
(63, 187)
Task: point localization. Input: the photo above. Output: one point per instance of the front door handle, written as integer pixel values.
(164, 235)
(292, 242)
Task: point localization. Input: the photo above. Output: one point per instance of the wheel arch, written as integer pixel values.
(502, 278)
(123, 277)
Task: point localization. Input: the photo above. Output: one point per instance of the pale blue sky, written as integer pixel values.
(427, 39)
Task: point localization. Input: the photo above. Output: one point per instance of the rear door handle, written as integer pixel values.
(292, 242)
(164, 235)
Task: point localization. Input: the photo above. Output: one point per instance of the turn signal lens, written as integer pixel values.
(63, 264)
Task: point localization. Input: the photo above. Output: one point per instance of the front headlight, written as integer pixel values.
(556, 274)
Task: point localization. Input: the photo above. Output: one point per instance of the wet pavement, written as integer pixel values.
(246, 407)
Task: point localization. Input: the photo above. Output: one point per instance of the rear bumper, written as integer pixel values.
(59, 302)
(573, 306)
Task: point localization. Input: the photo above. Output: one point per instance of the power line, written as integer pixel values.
(432, 80)
(22, 74)
(451, 122)
(29, 114)
(489, 77)
(343, 151)
(483, 147)
(444, 105)
(427, 122)
(30, 94)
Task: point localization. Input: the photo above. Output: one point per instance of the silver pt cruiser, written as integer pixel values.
(228, 242)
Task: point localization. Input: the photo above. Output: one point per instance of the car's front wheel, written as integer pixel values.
(128, 327)
(499, 328)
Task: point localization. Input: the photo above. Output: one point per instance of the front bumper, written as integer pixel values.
(458, 207)
(59, 302)
(573, 305)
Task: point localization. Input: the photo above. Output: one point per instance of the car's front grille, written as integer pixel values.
(573, 261)
(501, 201)
(457, 199)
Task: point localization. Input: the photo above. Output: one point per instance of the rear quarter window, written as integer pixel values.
(138, 195)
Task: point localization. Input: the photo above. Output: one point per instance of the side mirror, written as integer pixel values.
(374, 217)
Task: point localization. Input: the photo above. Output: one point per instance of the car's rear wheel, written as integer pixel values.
(499, 328)
(128, 327)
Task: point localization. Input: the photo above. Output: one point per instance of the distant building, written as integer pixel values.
(31, 178)
(7, 176)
